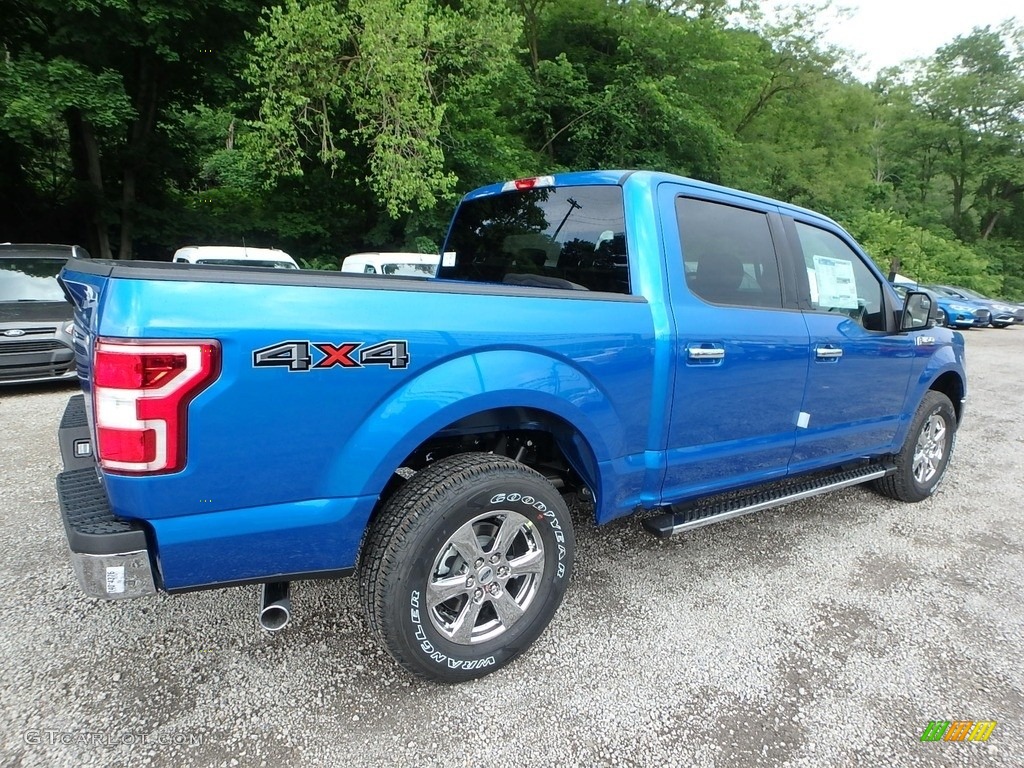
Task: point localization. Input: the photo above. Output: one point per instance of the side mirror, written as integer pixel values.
(918, 312)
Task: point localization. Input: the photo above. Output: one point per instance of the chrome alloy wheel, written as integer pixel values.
(485, 577)
(930, 449)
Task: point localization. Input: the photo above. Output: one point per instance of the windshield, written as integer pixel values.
(30, 279)
(247, 263)
(565, 237)
(408, 268)
(972, 294)
(902, 290)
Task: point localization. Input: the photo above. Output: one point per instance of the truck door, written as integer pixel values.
(860, 367)
(741, 346)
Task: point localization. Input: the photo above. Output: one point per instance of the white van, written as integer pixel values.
(412, 264)
(234, 256)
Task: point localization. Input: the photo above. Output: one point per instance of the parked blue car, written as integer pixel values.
(1003, 313)
(953, 311)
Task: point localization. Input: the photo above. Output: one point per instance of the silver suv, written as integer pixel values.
(36, 342)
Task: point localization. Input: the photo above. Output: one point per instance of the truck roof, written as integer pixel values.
(648, 178)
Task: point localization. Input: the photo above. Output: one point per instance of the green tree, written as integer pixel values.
(923, 255)
(92, 82)
(969, 126)
(375, 79)
(804, 134)
(636, 84)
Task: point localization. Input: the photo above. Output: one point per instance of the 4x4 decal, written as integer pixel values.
(297, 355)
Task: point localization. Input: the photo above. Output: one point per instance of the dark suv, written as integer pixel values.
(35, 318)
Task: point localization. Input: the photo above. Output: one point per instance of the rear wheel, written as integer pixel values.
(922, 461)
(466, 565)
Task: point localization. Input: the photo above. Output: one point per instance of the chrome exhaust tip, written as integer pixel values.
(275, 605)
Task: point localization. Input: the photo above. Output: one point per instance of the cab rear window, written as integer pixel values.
(556, 237)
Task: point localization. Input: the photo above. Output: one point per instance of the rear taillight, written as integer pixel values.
(141, 391)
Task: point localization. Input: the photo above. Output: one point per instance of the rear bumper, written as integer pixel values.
(110, 556)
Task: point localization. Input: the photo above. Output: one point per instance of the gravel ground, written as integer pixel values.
(825, 633)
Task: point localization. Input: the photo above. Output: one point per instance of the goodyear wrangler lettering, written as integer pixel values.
(529, 501)
(431, 651)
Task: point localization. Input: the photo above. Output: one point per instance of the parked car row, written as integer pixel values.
(1003, 313)
(36, 329)
(962, 308)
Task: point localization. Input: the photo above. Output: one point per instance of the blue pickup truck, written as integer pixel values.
(652, 344)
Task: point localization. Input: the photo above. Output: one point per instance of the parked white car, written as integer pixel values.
(375, 263)
(234, 256)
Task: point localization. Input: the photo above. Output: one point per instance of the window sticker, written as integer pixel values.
(836, 284)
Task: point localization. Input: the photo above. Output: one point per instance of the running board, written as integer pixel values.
(714, 509)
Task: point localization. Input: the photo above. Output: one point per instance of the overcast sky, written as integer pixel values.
(890, 31)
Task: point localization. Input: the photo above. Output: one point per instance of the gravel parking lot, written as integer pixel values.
(825, 633)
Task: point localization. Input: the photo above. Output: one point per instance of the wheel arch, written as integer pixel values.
(942, 371)
(566, 438)
(952, 386)
(488, 391)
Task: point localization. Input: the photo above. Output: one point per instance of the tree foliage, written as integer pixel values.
(928, 257)
(377, 75)
(330, 126)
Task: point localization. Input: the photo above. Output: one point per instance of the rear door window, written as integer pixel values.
(571, 237)
(728, 254)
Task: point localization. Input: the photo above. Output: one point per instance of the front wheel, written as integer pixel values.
(466, 565)
(925, 454)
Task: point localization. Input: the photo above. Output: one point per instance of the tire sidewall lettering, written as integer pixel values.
(433, 653)
(529, 501)
(425, 638)
(547, 514)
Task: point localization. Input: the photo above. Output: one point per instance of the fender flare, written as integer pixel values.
(944, 361)
(460, 387)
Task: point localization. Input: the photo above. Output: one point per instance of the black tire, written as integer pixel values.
(1000, 325)
(922, 461)
(448, 617)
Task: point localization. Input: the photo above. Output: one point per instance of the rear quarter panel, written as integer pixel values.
(279, 454)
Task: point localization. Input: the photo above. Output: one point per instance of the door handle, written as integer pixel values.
(828, 353)
(705, 353)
